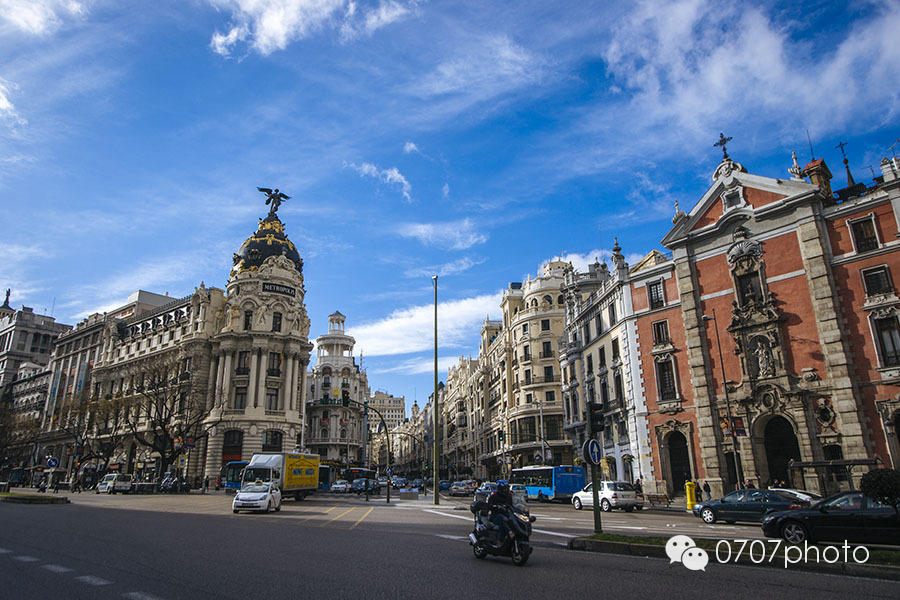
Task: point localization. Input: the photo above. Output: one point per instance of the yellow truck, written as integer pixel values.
(295, 473)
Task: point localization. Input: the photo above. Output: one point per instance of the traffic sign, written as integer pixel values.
(390, 472)
(592, 452)
(538, 456)
(52, 462)
(189, 443)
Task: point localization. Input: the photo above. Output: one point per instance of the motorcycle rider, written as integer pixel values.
(499, 499)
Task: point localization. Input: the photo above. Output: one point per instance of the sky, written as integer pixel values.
(469, 140)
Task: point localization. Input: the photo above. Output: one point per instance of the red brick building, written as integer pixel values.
(798, 282)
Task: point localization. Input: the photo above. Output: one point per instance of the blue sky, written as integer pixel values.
(470, 139)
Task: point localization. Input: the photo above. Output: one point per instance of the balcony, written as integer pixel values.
(242, 371)
(273, 372)
(548, 355)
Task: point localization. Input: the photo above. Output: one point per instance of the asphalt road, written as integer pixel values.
(171, 547)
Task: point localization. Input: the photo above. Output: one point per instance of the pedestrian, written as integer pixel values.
(750, 485)
(707, 490)
(638, 487)
(206, 484)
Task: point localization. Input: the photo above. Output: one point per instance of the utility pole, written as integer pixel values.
(735, 449)
(595, 480)
(434, 407)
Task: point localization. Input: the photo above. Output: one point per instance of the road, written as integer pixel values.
(172, 547)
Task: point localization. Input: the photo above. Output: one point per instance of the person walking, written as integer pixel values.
(750, 485)
(206, 484)
(707, 490)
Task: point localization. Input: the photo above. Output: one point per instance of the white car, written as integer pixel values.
(257, 497)
(612, 494)
(115, 482)
(341, 486)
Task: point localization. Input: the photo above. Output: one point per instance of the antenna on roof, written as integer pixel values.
(808, 139)
(892, 146)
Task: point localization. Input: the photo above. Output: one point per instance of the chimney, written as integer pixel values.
(819, 175)
(889, 170)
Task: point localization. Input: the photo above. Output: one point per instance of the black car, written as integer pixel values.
(359, 486)
(745, 505)
(849, 516)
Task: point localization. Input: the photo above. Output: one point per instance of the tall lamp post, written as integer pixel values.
(434, 408)
(735, 449)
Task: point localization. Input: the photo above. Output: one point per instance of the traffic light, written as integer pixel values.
(596, 415)
(500, 436)
(345, 398)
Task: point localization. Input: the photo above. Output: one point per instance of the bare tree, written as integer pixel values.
(165, 411)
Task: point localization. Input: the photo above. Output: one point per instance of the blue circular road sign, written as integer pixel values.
(52, 462)
(592, 452)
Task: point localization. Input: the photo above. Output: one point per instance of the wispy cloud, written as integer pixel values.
(417, 366)
(7, 109)
(582, 261)
(451, 268)
(410, 147)
(411, 329)
(18, 268)
(453, 235)
(368, 21)
(445, 191)
(391, 176)
(39, 17)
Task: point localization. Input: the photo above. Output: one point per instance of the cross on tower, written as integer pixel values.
(841, 146)
(722, 141)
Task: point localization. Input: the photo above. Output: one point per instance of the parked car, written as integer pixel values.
(484, 492)
(171, 484)
(459, 488)
(341, 486)
(444, 484)
(610, 494)
(849, 516)
(360, 485)
(746, 505)
(417, 483)
(257, 497)
(383, 482)
(802, 494)
(115, 482)
(398, 482)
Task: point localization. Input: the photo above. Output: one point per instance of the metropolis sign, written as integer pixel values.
(278, 289)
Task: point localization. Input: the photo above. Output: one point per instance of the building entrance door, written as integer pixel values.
(679, 462)
(781, 446)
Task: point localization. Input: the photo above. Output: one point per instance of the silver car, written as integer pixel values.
(611, 494)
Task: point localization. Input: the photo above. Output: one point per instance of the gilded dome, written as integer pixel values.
(269, 240)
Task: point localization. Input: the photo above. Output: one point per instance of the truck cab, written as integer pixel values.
(264, 467)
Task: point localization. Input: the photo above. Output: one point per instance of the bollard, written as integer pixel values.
(691, 493)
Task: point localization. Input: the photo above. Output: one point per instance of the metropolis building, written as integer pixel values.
(231, 365)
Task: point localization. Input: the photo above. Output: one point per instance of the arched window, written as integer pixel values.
(548, 299)
(232, 444)
(323, 434)
(343, 434)
(272, 441)
(559, 299)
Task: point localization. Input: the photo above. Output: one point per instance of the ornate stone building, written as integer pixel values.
(25, 337)
(335, 429)
(799, 280)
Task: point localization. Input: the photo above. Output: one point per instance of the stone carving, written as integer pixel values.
(883, 312)
(764, 363)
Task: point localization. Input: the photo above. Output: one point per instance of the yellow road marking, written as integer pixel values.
(314, 514)
(363, 517)
(337, 517)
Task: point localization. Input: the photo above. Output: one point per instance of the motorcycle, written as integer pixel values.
(485, 539)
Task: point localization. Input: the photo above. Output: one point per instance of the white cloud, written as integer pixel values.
(272, 24)
(390, 176)
(410, 147)
(454, 235)
(445, 191)
(581, 262)
(39, 17)
(451, 268)
(412, 329)
(7, 109)
(417, 366)
(369, 21)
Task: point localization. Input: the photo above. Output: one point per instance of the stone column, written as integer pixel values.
(261, 380)
(251, 387)
(214, 455)
(285, 391)
(301, 366)
(212, 385)
(220, 373)
(226, 378)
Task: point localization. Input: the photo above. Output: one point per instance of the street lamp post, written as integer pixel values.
(434, 406)
(735, 449)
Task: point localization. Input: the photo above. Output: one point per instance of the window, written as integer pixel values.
(272, 441)
(243, 362)
(878, 281)
(604, 394)
(612, 314)
(549, 396)
(547, 350)
(887, 334)
(524, 328)
(545, 324)
(864, 237)
(655, 293)
(661, 332)
(590, 364)
(529, 398)
(587, 332)
(276, 321)
(615, 349)
(248, 319)
(271, 398)
(622, 431)
(598, 323)
(527, 376)
(731, 199)
(665, 378)
(617, 383)
(601, 357)
(240, 398)
(274, 364)
(526, 352)
(548, 374)
(749, 290)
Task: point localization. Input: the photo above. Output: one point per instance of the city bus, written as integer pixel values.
(549, 483)
(325, 479)
(231, 475)
(358, 473)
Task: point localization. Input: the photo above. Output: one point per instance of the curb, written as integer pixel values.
(873, 571)
(35, 500)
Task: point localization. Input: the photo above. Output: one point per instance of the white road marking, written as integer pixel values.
(92, 580)
(56, 568)
(437, 512)
(623, 527)
(5, 551)
(451, 537)
(23, 558)
(139, 596)
(545, 532)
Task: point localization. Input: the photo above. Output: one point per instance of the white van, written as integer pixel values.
(115, 482)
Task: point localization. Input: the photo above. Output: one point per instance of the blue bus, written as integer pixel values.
(549, 483)
(325, 477)
(231, 475)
